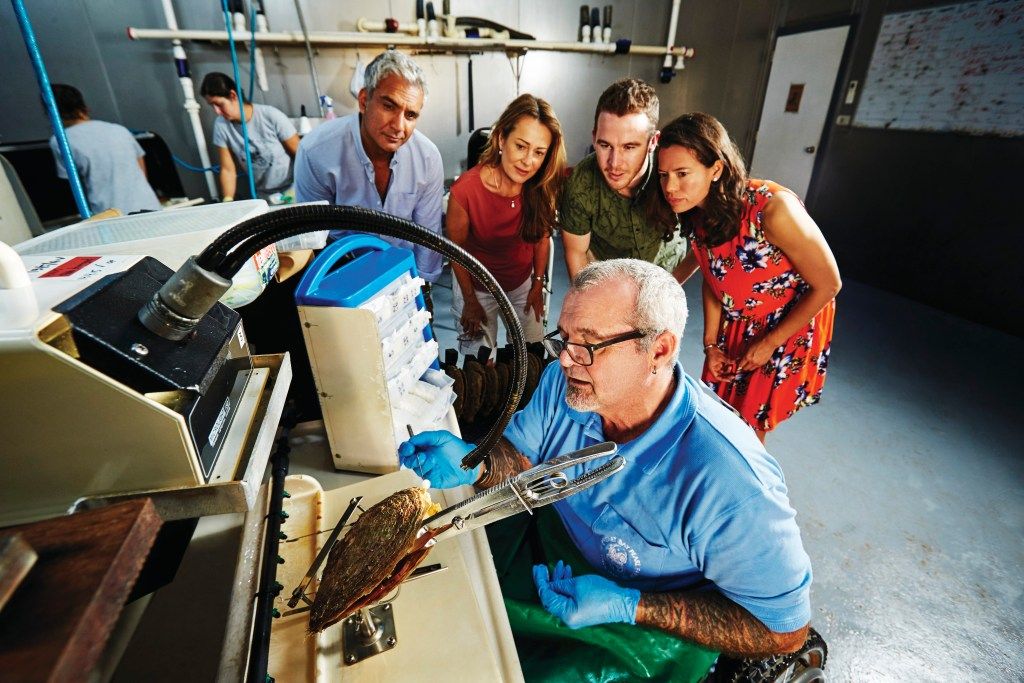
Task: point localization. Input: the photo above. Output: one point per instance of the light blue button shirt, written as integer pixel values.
(332, 165)
(699, 502)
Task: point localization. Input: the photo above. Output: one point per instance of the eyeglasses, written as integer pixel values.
(583, 354)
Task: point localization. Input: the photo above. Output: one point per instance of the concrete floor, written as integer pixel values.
(907, 478)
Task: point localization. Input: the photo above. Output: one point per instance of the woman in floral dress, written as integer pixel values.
(770, 279)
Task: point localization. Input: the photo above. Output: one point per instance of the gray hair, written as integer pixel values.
(393, 63)
(660, 301)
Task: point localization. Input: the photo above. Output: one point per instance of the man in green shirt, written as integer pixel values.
(602, 212)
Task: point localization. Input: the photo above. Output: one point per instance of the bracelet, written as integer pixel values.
(711, 346)
(538, 278)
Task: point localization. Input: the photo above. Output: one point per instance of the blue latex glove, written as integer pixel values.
(584, 600)
(437, 456)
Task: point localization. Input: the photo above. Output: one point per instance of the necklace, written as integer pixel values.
(497, 180)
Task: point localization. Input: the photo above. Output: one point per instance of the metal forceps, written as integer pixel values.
(536, 487)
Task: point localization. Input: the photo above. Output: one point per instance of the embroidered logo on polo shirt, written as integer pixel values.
(619, 558)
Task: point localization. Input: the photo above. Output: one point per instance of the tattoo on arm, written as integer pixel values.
(710, 619)
(503, 461)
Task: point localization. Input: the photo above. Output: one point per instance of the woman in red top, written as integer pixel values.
(770, 279)
(502, 211)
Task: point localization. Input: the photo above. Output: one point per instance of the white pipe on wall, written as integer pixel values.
(342, 39)
(261, 67)
(673, 20)
(187, 88)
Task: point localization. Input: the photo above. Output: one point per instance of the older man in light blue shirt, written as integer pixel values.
(376, 159)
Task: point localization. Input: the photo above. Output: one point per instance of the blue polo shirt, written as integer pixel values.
(332, 165)
(699, 502)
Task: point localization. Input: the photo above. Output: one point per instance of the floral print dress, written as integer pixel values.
(758, 286)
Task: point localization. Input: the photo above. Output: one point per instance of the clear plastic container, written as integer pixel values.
(307, 240)
(250, 281)
(409, 368)
(407, 335)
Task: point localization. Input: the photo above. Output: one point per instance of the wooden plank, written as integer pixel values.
(55, 626)
(16, 558)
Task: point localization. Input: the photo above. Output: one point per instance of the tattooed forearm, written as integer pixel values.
(710, 619)
(503, 461)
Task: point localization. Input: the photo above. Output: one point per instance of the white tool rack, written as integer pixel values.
(372, 351)
(341, 39)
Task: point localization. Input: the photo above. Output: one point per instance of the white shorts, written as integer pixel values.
(533, 329)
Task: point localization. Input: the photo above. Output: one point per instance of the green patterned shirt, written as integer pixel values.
(617, 228)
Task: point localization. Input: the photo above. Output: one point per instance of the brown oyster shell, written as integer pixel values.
(377, 552)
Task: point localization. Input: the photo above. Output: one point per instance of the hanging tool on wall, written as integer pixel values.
(458, 100)
(475, 27)
(237, 9)
(309, 58)
(469, 91)
(421, 19)
(433, 28)
(515, 61)
(584, 33)
(452, 27)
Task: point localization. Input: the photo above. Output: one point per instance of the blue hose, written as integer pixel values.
(252, 51)
(241, 99)
(51, 108)
(197, 169)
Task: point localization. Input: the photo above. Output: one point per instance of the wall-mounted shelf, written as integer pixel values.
(429, 44)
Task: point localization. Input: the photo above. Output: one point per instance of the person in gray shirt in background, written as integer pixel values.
(110, 162)
(273, 139)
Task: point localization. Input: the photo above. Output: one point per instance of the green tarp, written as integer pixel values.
(549, 651)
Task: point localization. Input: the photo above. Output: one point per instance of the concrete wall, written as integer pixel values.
(134, 82)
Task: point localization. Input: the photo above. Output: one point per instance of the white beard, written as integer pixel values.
(581, 399)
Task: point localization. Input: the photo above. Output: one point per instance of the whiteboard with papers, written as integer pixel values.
(955, 68)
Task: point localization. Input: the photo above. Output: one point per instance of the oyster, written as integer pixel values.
(373, 557)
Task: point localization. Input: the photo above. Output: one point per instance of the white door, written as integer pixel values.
(800, 87)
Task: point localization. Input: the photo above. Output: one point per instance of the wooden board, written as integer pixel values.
(56, 624)
(16, 558)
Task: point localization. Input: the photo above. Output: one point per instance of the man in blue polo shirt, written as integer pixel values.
(377, 159)
(695, 536)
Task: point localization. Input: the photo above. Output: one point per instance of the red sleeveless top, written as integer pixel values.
(494, 230)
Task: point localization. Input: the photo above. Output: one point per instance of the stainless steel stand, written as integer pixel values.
(368, 632)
